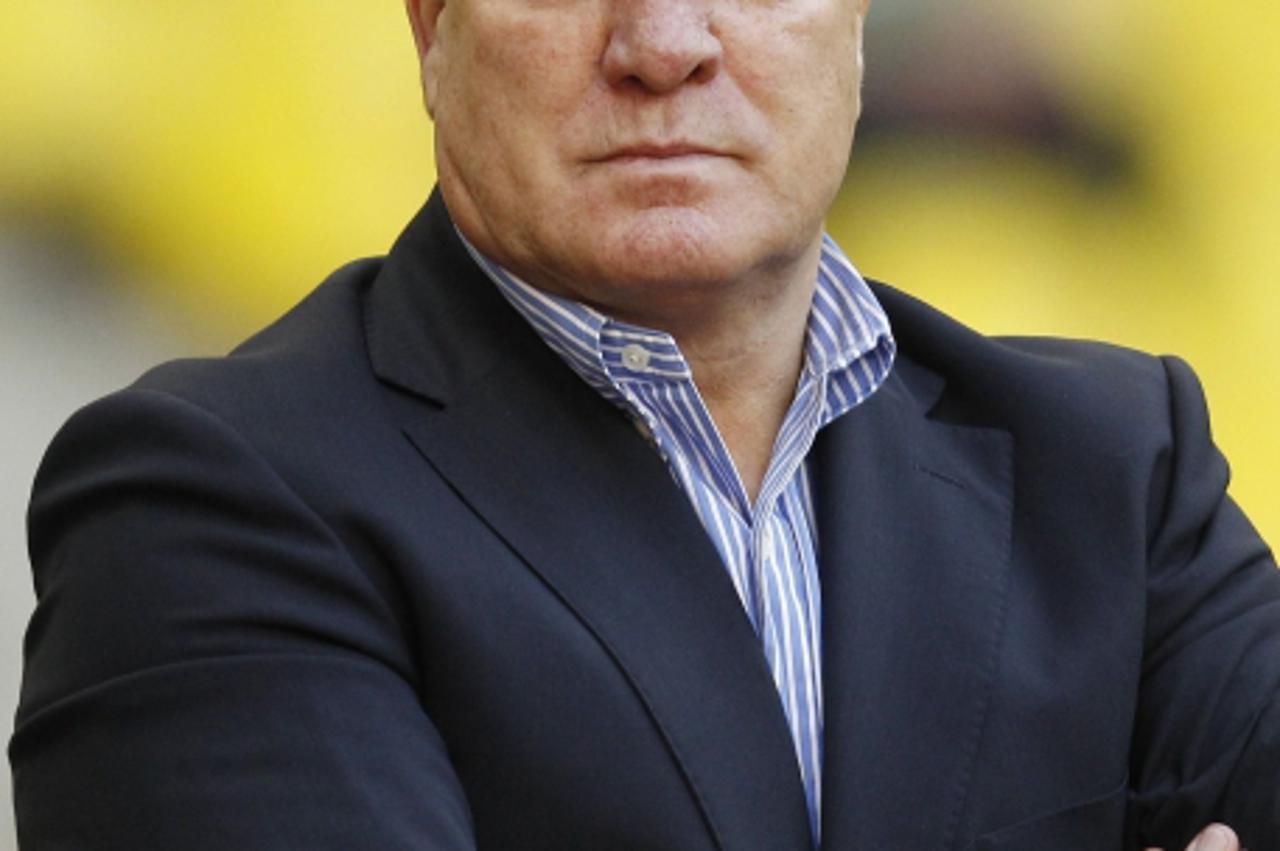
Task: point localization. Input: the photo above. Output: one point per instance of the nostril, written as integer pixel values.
(705, 70)
(662, 72)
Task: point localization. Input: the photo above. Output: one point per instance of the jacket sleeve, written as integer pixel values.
(1207, 736)
(207, 667)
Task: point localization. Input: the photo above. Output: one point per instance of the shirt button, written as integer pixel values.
(643, 428)
(635, 357)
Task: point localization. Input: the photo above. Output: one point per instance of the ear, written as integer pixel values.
(424, 18)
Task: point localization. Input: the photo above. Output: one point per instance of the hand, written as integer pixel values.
(1215, 837)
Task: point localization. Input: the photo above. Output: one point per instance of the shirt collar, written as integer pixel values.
(848, 331)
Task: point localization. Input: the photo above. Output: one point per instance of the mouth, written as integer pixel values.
(659, 153)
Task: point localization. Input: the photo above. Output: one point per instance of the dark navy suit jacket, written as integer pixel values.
(391, 577)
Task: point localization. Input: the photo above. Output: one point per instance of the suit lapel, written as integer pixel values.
(564, 479)
(914, 524)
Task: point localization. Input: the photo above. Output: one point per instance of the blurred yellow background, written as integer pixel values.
(217, 160)
(175, 174)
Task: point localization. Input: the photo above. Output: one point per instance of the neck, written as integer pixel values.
(746, 358)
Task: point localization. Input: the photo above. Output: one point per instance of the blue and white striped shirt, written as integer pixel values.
(769, 548)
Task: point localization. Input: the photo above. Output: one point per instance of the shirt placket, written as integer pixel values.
(781, 570)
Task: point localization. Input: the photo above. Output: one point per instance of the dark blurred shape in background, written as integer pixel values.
(966, 74)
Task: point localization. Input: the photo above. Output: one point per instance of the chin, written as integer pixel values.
(674, 246)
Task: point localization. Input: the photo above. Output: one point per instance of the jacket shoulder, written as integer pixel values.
(298, 389)
(317, 347)
(1071, 389)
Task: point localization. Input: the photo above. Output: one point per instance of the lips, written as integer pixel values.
(658, 152)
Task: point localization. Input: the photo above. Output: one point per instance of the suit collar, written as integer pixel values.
(434, 324)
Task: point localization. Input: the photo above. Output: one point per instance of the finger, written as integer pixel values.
(1216, 837)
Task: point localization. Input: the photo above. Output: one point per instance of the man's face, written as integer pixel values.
(622, 151)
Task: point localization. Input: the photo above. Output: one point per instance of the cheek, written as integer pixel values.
(811, 107)
(799, 61)
(514, 88)
(529, 65)
(804, 79)
(489, 121)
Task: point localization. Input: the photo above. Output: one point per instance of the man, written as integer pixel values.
(614, 510)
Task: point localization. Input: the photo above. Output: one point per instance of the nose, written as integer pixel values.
(658, 45)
